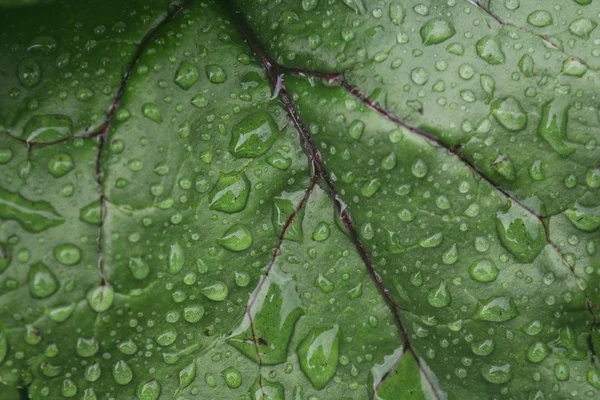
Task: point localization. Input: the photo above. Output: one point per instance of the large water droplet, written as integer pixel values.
(230, 193)
(67, 254)
(60, 164)
(483, 270)
(436, 31)
(439, 296)
(504, 166)
(520, 233)
(274, 314)
(553, 126)
(29, 73)
(148, 391)
(496, 309)
(562, 371)
(483, 348)
(497, 374)
(318, 355)
(87, 347)
(101, 297)
(582, 27)
(236, 238)
(33, 216)
(186, 75)
(284, 207)
(356, 129)
(91, 213)
(176, 259)
(122, 372)
(509, 113)
(138, 267)
(42, 282)
(540, 18)
(489, 50)
(321, 232)
(253, 136)
(537, 352)
(232, 377)
(217, 291)
(215, 73)
(47, 128)
(585, 218)
(263, 389)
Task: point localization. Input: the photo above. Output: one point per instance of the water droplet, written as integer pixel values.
(356, 129)
(199, 101)
(33, 216)
(43, 44)
(274, 315)
(29, 73)
(582, 27)
(149, 390)
(489, 50)
(284, 207)
(439, 296)
(60, 164)
(321, 232)
(186, 75)
(122, 372)
(93, 372)
(483, 270)
(574, 67)
(215, 73)
(176, 259)
(230, 193)
(496, 309)
(232, 377)
(48, 127)
(264, 389)
(562, 371)
(101, 297)
(370, 188)
(553, 126)
(483, 348)
(419, 76)
(526, 65)
(521, 233)
(309, 5)
(193, 314)
(324, 284)
(151, 111)
(431, 241)
(585, 218)
(236, 238)
(127, 347)
(67, 254)
(68, 388)
(450, 256)
(318, 355)
(436, 31)
(397, 13)
(87, 347)
(187, 376)
(91, 213)
(509, 113)
(138, 267)
(488, 84)
(497, 374)
(504, 166)
(389, 162)
(540, 18)
(419, 168)
(42, 282)
(279, 161)
(61, 313)
(592, 178)
(537, 352)
(217, 291)
(253, 136)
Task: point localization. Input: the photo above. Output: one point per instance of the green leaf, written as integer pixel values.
(299, 199)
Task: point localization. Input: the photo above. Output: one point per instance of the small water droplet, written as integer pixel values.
(151, 111)
(496, 309)
(436, 31)
(122, 372)
(509, 113)
(217, 291)
(230, 193)
(236, 238)
(186, 75)
(42, 282)
(439, 296)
